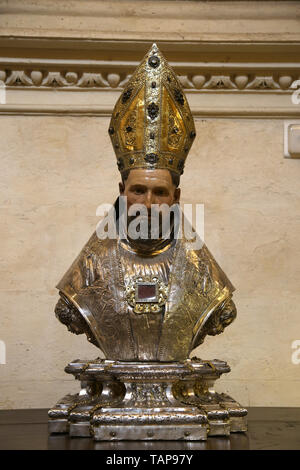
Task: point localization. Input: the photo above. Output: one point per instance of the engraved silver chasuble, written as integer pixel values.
(196, 288)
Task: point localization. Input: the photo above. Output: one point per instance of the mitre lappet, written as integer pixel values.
(147, 306)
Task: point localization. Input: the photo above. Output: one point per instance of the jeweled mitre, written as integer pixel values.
(152, 125)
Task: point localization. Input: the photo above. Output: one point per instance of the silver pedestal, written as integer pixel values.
(147, 401)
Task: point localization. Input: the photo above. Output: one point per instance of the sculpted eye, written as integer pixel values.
(138, 191)
(161, 192)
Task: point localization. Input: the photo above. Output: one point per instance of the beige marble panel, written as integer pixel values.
(55, 170)
(157, 20)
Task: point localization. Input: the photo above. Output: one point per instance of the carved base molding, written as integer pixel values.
(147, 401)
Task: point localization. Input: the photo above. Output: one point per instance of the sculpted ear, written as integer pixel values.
(121, 188)
(177, 195)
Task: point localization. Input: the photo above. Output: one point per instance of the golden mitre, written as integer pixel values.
(152, 125)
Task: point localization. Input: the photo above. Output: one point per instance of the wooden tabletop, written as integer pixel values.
(269, 429)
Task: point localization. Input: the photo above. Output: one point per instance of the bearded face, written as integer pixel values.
(150, 195)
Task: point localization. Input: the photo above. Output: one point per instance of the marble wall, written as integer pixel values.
(238, 62)
(56, 170)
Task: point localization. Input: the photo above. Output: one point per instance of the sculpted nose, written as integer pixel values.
(148, 200)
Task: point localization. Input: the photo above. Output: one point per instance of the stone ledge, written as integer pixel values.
(220, 79)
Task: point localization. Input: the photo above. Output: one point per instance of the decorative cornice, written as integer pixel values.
(220, 79)
(199, 78)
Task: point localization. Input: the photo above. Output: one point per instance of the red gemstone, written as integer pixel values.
(146, 292)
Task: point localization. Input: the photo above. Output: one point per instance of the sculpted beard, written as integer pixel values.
(156, 225)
